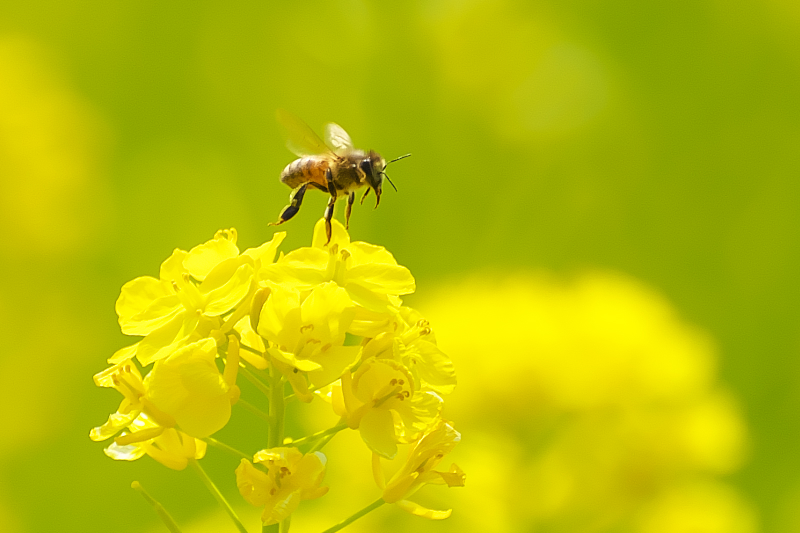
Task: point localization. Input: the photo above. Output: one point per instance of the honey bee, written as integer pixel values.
(333, 167)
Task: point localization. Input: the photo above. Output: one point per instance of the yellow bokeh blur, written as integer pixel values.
(52, 146)
(606, 404)
(600, 213)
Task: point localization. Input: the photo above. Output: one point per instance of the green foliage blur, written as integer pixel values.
(656, 139)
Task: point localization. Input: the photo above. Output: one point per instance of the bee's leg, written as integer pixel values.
(331, 203)
(350, 201)
(328, 217)
(318, 186)
(295, 200)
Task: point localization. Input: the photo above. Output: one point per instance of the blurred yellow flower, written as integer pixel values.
(54, 194)
(290, 477)
(607, 399)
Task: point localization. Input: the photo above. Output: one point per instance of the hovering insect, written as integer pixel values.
(333, 166)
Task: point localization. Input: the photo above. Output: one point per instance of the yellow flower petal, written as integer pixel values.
(129, 452)
(378, 432)
(203, 258)
(339, 236)
(188, 386)
(266, 252)
(418, 510)
(145, 304)
(225, 289)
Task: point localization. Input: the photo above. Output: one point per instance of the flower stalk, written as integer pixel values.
(346, 522)
(277, 408)
(318, 435)
(212, 488)
(162, 513)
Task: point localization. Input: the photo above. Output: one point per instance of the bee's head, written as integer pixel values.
(373, 167)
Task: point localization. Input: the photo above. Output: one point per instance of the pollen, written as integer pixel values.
(402, 395)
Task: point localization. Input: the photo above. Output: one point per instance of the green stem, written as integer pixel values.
(212, 488)
(252, 378)
(276, 408)
(251, 349)
(222, 446)
(277, 412)
(369, 508)
(253, 409)
(160, 511)
(319, 434)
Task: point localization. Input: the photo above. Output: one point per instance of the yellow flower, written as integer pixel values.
(307, 332)
(188, 386)
(186, 389)
(290, 478)
(192, 293)
(170, 447)
(126, 379)
(418, 470)
(411, 342)
(370, 274)
(381, 400)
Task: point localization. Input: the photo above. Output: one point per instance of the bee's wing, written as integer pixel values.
(300, 139)
(337, 138)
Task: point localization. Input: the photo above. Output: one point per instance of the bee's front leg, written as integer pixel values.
(295, 201)
(331, 203)
(350, 201)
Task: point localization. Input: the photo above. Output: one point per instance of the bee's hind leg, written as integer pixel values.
(295, 200)
(350, 201)
(331, 203)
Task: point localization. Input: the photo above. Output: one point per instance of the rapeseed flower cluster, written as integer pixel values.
(321, 323)
(611, 409)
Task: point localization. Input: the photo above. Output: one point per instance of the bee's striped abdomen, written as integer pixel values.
(304, 170)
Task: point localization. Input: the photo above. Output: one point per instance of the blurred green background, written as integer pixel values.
(657, 139)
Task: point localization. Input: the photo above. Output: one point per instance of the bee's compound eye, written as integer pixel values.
(366, 166)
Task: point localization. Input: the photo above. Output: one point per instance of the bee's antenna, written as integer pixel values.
(398, 159)
(389, 179)
(387, 175)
